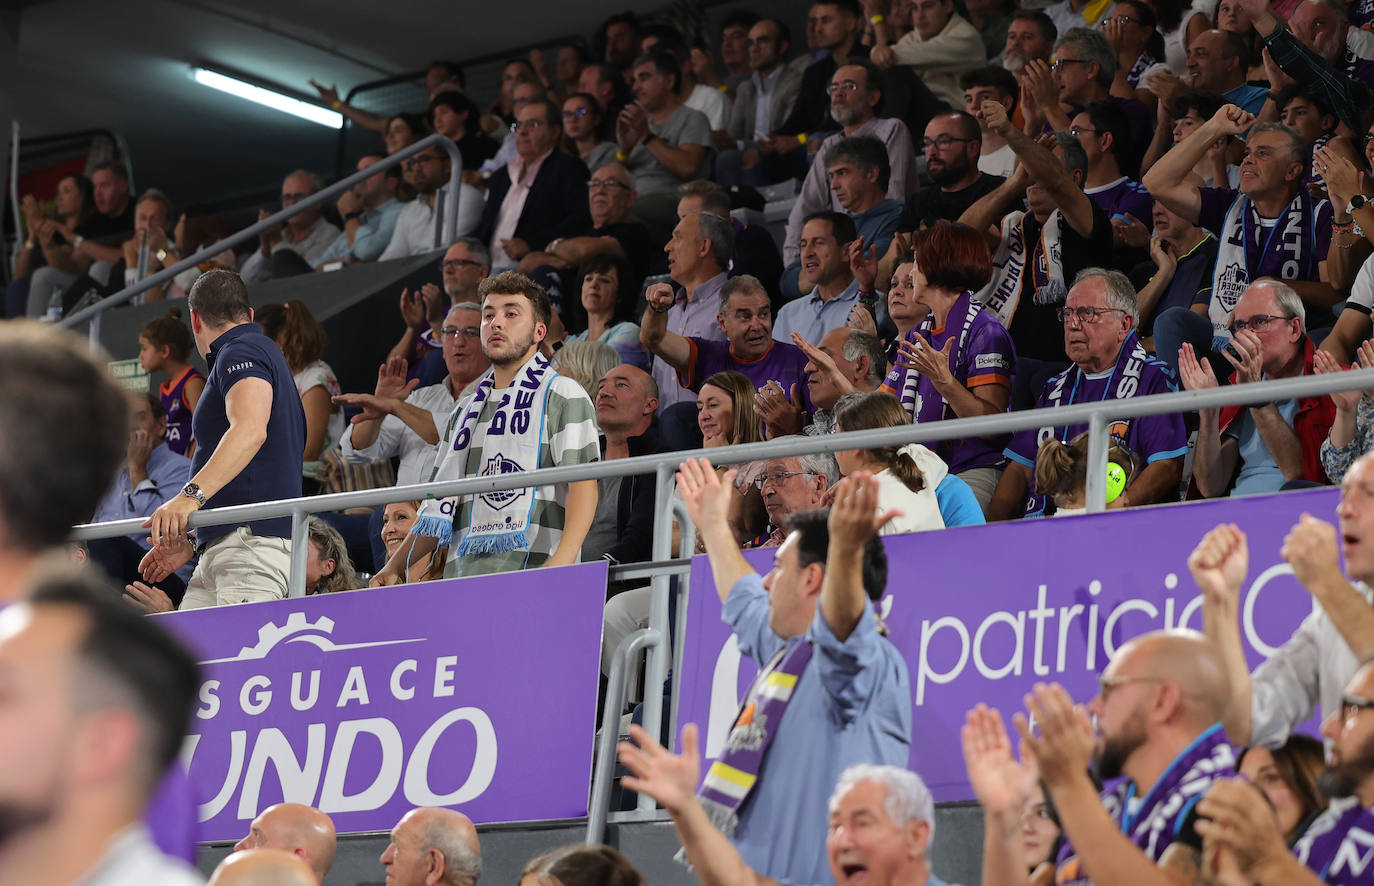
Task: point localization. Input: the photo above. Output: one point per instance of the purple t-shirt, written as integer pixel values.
(783, 363)
(987, 358)
(1124, 196)
(1151, 437)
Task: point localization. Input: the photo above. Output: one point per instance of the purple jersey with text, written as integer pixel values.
(1124, 197)
(173, 396)
(783, 363)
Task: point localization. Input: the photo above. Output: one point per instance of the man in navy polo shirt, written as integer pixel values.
(251, 433)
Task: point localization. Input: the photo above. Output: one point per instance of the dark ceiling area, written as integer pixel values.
(126, 66)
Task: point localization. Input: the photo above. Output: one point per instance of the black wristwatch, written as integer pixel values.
(352, 215)
(191, 490)
(1358, 202)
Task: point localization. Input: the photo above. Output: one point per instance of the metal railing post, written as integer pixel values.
(687, 546)
(448, 203)
(656, 665)
(1096, 490)
(603, 766)
(300, 549)
(319, 198)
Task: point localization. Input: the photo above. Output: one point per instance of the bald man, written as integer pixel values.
(431, 846)
(263, 867)
(1158, 714)
(303, 831)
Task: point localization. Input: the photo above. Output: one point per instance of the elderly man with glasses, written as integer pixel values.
(539, 195)
(306, 233)
(1266, 446)
(1109, 363)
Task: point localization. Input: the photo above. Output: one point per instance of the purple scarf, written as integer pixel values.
(918, 405)
(1155, 822)
(733, 775)
(1337, 846)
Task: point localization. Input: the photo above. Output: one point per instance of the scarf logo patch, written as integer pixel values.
(495, 466)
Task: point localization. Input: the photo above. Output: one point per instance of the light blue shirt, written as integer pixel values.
(852, 704)
(373, 235)
(167, 474)
(1248, 98)
(763, 100)
(1258, 471)
(812, 317)
(958, 505)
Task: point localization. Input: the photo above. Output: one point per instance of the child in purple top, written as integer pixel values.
(163, 346)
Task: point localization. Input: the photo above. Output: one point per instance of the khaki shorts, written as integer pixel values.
(240, 568)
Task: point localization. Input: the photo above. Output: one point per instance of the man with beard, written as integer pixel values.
(1157, 716)
(1335, 847)
(1309, 671)
(952, 145)
(855, 91)
(523, 416)
(465, 264)
(97, 700)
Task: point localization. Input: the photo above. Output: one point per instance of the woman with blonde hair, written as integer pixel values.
(907, 475)
(327, 567)
(586, 362)
(1061, 473)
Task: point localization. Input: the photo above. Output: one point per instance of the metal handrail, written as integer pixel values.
(603, 767)
(979, 426)
(448, 206)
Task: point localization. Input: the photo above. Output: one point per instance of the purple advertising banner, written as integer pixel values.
(983, 613)
(477, 693)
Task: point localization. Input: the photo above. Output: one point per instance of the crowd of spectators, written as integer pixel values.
(991, 209)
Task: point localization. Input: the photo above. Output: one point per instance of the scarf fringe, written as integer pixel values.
(503, 543)
(436, 527)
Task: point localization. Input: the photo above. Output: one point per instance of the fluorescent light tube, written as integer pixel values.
(276, 100)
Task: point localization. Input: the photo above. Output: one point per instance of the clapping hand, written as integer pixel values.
(1249, 356)
(925, 358)
(1063, 749)
(1195, 374)
(1325, 364)
(706, 495)
(670, 779)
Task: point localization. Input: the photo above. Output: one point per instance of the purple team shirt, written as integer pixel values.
(1123, 197)
(783, 363)
(1151, 437)
(988, 358)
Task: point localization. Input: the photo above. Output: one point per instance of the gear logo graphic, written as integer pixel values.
(297, 628)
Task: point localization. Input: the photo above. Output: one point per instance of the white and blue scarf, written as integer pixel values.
(499, 521)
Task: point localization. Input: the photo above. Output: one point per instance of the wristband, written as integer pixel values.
(648, 138)
(336, 104)
(801, 138)
(1347, 228)
(723, 88)
(76, 244)
(658, 310)
(877, 19)
(553, 247)
(352, 215)
(622, 156)
(28, 244)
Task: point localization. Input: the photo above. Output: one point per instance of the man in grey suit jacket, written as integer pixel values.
(762, 103)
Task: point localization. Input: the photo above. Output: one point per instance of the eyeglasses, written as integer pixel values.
(846, 86)
(1076, 131)
(1059, 63)
(464, 331)
(457, 264)
(758, 42)
(1255, 323)
(293, 198)
(532, 123)
(1352, 705)
(574, 113)
(942, 142)
(1084, 315)
(605, 184)
(777, 478)
(1105, 684)
(420, 160)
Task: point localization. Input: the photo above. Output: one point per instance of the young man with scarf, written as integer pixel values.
(1109, 363)
(1270, 227)
(522, 417)
(1335, 847)
(1262, 447)
(1037, 253)
(1157, 719)
(831, 692)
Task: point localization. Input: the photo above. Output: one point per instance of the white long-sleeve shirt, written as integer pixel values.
(395, 438)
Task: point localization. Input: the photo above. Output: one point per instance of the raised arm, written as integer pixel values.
(1219, 565)
(654, 334)
(1311, 549)
(707, 497)
(986, 213)
(1167, 180)
(671, 780)
(854, 519)
(1002, 787)
(1044, 169)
